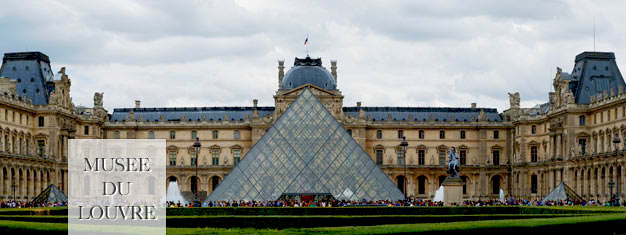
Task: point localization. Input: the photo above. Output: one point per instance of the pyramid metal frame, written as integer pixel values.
(306, 151)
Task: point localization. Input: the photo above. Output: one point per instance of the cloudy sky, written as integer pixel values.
(224, 53)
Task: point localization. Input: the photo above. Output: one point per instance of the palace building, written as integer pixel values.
(577, 137)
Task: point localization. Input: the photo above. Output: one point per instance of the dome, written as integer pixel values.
(308, 71)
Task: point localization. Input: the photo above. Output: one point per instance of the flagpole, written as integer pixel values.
(307, 45)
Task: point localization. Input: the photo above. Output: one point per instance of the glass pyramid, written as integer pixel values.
(306, 152)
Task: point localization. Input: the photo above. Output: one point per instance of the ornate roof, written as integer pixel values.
(308, 71)
(424, 113)
(593, 74)
(190, 113)
(32, 72)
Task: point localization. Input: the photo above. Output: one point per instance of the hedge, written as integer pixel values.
(300, 211)
(34, 211)
(282, 222)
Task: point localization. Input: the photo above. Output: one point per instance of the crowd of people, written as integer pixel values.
(387, 203)
(20, 204)
(343, 203)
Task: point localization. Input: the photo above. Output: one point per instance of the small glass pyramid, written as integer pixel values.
(306, 152)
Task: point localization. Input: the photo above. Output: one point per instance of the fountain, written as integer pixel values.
(439, 194)
(174, 195)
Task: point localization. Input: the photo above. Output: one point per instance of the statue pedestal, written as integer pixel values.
(452, 191)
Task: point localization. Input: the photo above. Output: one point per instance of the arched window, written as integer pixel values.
(215, 181)
(421, 185)
(400, 180)
(495, 183)
(194, 184)
(441, 179)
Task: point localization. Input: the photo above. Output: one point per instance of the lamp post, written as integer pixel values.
(403, 146)
(196, 147)
(616, 141)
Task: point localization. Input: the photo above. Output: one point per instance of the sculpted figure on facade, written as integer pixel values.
(514, 100)
(97, 99)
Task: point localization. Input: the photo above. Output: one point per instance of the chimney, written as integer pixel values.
(281, 71)
(137, 104)
(358, 104)
(473, 105)
(255, 102)
(333, 69)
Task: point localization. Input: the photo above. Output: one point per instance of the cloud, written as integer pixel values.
(400, 53)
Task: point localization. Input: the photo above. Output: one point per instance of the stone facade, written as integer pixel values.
(523, 151)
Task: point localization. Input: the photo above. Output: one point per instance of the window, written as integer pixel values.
(496, 157)
(116, 134)
(349, 132)
(533, 184)
(442, 157)
(400, 134)
(215, 158)
(236, 134)
(172, 158)
(496, 135)
(236, 156)
(194, 135)
(462, 134)
(581, 120)
(583, 145)
(421, 134)
(463, 156)
(379, 156)
(379, 134)
(172, 135)
(193, 157)
(421, 154)
(400, 157)
(41, 146)
(150, 134)
(615, 112)
(533, 153)
(40, 119)
(442, 134)
(215, 134)
(86, 130)
(533, 129)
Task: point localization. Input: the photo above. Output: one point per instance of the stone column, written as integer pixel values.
(622, 184)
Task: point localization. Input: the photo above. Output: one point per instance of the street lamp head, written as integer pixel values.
(404, 144)
(197, 144)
